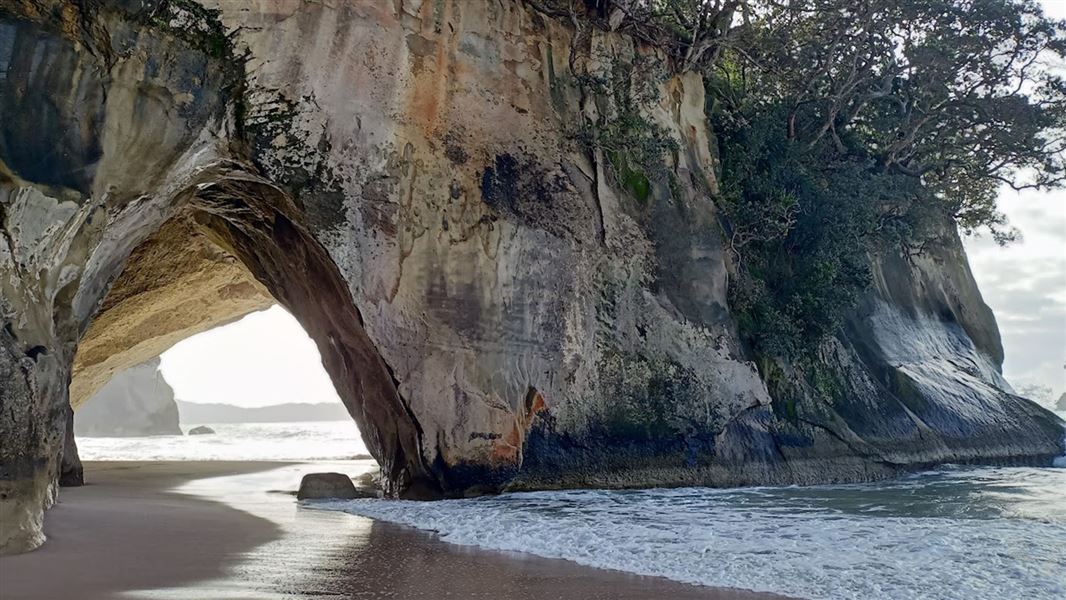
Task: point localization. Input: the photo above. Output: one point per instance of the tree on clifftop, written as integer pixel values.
(964, 95)
(844, 126)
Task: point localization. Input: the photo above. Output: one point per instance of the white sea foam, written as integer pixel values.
(1060, 462)
(325, 440)
(953, 534)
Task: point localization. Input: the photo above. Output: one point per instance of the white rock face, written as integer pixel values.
(136, 402)
(497, 307)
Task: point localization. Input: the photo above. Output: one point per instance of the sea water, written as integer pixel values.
(966, 533)
(315, 440)
(954, 533)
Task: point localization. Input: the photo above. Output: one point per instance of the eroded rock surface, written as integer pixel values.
(497, 310)
(136, 402)
(176, 284)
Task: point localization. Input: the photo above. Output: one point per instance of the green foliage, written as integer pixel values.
(648, 396)
(691, 32)
(956, 94)
(188, 20)
(850, 128)
(964, 96)
(632, 180)
(802, 225)
(825, 381)
(634, 146)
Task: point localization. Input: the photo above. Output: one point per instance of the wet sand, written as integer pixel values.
(215, 530)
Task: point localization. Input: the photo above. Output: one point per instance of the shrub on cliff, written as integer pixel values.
(801, 225)
(961, 95)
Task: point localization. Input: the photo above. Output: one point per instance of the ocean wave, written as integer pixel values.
(986, 533)
(324, 440)
(1060, 462)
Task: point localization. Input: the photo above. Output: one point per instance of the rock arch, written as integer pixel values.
(124, 167)
(501, 310)
(255, 222)
(233, 245)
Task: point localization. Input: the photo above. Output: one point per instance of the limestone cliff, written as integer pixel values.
(136, 402)
(500, 305)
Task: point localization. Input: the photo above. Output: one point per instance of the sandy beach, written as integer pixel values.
(229, 530)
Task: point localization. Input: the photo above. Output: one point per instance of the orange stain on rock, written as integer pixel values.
(536, 406)
(432, 53)
(508, 448)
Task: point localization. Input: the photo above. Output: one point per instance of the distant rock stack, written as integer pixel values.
(1061, 404)
(136, 402)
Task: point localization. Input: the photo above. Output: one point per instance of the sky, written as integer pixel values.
(266, 358)
(1025, 284)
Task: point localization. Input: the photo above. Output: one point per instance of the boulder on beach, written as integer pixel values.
(326, 485)
(201, 430)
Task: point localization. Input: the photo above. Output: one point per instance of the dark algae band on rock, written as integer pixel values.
(508, 287)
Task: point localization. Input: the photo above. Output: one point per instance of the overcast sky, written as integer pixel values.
(266, 358)
(1025, 284)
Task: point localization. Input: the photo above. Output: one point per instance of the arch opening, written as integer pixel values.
(234, 246)
(256, 384)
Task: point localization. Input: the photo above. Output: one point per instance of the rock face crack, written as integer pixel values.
(864, 451)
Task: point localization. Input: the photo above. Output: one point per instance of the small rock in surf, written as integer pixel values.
(326, 485)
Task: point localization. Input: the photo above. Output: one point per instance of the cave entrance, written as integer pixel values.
(235, 246)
